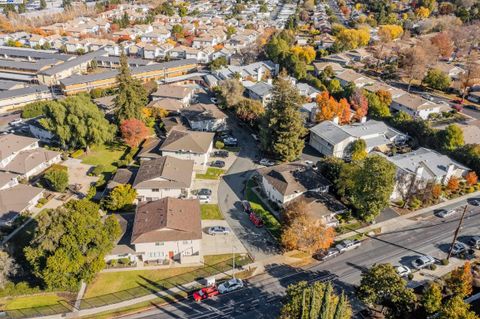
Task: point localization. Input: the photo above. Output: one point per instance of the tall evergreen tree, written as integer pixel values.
(282, 128)
(131, 97)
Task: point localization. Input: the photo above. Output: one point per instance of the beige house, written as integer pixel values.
(180, 93)
(168, 230)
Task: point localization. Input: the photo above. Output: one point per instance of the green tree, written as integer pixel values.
(376, 108)
(57, 179)
(231, 92)
(120, 197)
(452, 137)
(218, 63)
(312, 301)
(437, 79)
(231, 30)
(249, 110)
(70, 243)
(432, 298)
(35, 109)
(77, 122)
(131, 97)
(43, 4)
(381, 285)
(358, 150)
(335, 88)
(282, 128)
(456, 308)
(372, 186)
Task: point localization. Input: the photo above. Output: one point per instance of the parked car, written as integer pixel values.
(459, 248)
(474, 242)
(220, 164)
(474, 201)
(266, 162)
(256, 220)
(457, 101)
(205, 293)
(218, 230)
(422, 262)
(403, 271)
(255, 137)
(427, 97)
(16, 122)
(457, 107)
(443, 213)
(247, 208)
(223, 154)
(214, 100)
(231, 285)
(205, 192)
(326, 254)
(347, 245)
(230, 141)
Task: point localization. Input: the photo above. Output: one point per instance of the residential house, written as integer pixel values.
(415, 106)
(349, 76)
(286, 182)
(261, 91)
(180, 93)
(164, 176)
(415, 170)
(15, 200)
(168, 229)
(320, 66)
(189, 145)
(12, 144)
(205, 117)
(307, 91)
(331, 139)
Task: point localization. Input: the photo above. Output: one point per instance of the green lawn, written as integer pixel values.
(211, 211)
(150, 280)
(32, 301)
(212, 173)
(272, 224)
(105, 155)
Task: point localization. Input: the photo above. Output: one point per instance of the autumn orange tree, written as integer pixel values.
(471, 178)
(359, 103)
(453, 184)
(133, 132)
(461, 280)
(329, 108)
(436, 190)
(444, 44)
(303, 232)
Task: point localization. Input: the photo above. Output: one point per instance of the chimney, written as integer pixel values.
(259, 74)
(269, 81)
(363, 119)
(335, 120)
(450, 170)
(419, 171)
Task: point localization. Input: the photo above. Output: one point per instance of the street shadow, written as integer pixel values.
(407, 260)
(444, 247)
(287, 275)
(359, 267)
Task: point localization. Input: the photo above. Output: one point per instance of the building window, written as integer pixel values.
(159, 244)
(155, 190)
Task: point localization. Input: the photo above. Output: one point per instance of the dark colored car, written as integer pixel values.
(246, 206)
(219, 164)
(223, 154)
(204, 191)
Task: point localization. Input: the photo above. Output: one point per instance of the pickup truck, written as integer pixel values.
(347, 245)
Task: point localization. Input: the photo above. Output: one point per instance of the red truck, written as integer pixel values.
(257, 221)
(205, 293)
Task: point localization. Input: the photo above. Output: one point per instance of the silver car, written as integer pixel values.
(218, 230)
(422, 262)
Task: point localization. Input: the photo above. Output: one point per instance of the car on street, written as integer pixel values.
(205, 293)
(266, 162)
(220, 164)
(256, 220)
(422, 262)
(218, 230)
(205, 192)
(443, 213)
(230, 141)
(16, 122)
(457, 101)
(474, 201)
(403, 271)
(474, 242)
(247, 208)
(223, 154)
(459, 248)
(347, 245)
(231, 285)
(214, 100)
(427, 97)
(326, 254)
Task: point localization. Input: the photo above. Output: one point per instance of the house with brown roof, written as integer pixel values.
(189, 145)
(205, 117)
(16, 200)
(162, 177)
(11, 145)
(168, 229)
(180, 93)
(415, 106)
(286, 182)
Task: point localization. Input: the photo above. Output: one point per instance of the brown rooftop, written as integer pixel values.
(167, 219)
(11, 144)
(172, 91)
(164, 172)
(188, 141)
(25, 161)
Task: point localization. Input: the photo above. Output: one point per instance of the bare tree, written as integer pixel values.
(8, 267)
(413, 63)
(471, 75)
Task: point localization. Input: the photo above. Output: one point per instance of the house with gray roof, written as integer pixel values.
(415, 106)
(205, 117)
(331, 139)
(415, 170)
(261, 91)
(10, 99)
(16, 200)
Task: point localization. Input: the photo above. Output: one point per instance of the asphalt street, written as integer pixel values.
(261, 298)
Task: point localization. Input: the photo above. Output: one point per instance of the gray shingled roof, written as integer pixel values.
(74, 62)
(35, 54)
(23, 91)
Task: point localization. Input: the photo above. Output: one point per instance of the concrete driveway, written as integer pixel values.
(77, 174)
(220, 244)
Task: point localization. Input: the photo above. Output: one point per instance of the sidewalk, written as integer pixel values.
(404, 220)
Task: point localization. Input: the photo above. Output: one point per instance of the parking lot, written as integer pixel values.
(220, 244)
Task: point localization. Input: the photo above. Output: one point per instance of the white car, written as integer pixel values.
(422, 262)
(214, 100)
(446, 213)
(403, 271)
(459, 248)
(347, 245)
(16, 122)
(231, 285)
(218, 230)
(266, 162)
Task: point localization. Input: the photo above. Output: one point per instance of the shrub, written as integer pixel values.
(77, 153)
(92, 191)
(97, 170)
(113, 262)
(57, 179)
(43, 200)
(444, 262)
(124, 261)
(410, 276)
(399, 203)
(415, 203)
(470, 189)
(219, 145)
(433, 267)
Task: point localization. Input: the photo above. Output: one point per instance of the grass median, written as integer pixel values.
(211, 211)
(211, 173)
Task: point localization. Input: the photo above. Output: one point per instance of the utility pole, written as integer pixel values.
(456, 232)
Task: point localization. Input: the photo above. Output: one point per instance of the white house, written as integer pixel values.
(167, 91)
(11, 145)
(331, 139)
(204, 117)
(415, 106)
(163, 177)
(189, 145)
(350, 76)
(286, 182)
(168, 229)
(420, 167)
